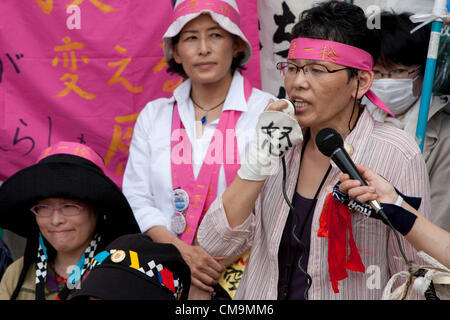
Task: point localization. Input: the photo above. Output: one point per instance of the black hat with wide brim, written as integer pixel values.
(64, 176)
(157, 271)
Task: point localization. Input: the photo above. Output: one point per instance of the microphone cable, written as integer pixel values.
(386, 219)
(300, 243)
(303, 248)
(430, 293)
(329, 141)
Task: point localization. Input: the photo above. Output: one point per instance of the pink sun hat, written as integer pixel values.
(74, 149)
(224, 12)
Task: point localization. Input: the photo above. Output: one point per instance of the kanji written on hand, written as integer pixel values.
(274, 137)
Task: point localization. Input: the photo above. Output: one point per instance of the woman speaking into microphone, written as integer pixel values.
(300, 250)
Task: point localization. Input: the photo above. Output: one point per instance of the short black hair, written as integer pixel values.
(397, 44)
(337, 21)
(177, 68)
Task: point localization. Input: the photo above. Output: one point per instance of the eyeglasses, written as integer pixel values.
(394, 74)
(314, 71)
(67, 209)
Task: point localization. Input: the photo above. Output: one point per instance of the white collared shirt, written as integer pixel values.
(147, 181)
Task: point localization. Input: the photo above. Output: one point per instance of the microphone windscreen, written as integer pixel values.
(328, 140)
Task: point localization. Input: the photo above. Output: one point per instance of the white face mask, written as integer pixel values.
(397, 94)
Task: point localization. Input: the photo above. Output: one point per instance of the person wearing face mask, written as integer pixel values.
(399, 73)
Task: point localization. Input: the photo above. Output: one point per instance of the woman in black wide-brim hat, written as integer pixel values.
(68, 210)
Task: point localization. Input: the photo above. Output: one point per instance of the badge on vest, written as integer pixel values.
(178, 223)
(180, 200)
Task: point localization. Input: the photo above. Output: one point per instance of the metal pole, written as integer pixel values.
(430, 69)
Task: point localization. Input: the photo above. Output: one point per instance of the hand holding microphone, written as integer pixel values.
(276, 132)
(290, 109)
(330, 143)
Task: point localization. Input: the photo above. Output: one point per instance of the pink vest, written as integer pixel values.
(203, 190)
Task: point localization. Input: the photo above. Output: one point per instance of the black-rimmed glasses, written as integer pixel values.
(399, 73)
(310, 70)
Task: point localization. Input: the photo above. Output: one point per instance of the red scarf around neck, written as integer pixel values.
(336, 225)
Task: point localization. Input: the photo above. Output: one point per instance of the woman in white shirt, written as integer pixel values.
(186, 149)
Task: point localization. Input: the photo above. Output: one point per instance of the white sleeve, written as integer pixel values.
(136, 181)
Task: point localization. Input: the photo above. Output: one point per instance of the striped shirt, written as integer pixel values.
(388, 151)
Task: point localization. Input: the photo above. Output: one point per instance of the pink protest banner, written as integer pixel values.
(82, 70)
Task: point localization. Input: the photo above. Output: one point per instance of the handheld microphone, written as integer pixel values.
(330, 143)
(290, 109)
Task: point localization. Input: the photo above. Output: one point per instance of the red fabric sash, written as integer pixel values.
(336, 225)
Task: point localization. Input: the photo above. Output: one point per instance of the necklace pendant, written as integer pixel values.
(203, 120)
(349, 148)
